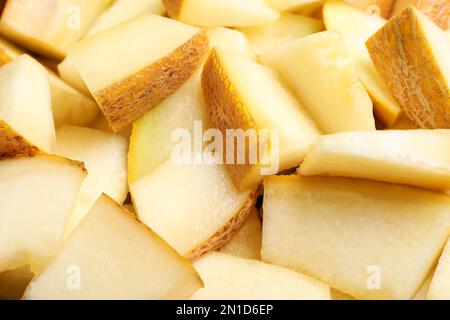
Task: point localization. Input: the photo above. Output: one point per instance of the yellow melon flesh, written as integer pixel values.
(228, 277)
(422, 293)
(105, 157)
(436, 10)
(108, 240)
(26, 119)
(379, 7)
(124, 10)
(368, 239)
(415, 157)
(147, 67)
(246, 243)
(287, 28)
(151, 139)
(300, 6)
(440, 286)
(241, 94)
(51, 27)
(230, 40)
(318, 69)
(221, 13)
(31, 221)
(411, 54)
(201, 221)
(356, 27)
(69, 105)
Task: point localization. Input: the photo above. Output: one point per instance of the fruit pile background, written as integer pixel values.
(118, 179)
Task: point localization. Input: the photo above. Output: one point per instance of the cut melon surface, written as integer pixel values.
(410, 53)
(306, 7)
(50, 27)
(221, 13)
(382, 8)
(105, 157)
(414, 157)
(37, 194)
(230, 40)
(145, 69)
(356, 27)
(440, 286)
(124, 10)
(69, 105)
(287, 28)
(151, 140)
(208, 211)
(108, 239)
(26, 118)
(317, 68)
(227, 277)
(241, 94)
(246, 243)
(323, 228)
(422, 293)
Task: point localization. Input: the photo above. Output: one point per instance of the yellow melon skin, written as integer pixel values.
(436, 10)
(13, 144)
(411, 54)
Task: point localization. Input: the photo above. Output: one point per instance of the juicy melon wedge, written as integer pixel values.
(287, 28)
(241, 94)
(26, 119)
(436, 10)
(439, 287)
(151, 139)
(37, 195)
(124, 10)
(108, 239)
(146, 68)
(49, 27)
(230, 40)
(356, 27)
(415, 157)
(420, 79)
(69, 105)
(306, 7)
(231, 278)
(105, 157)
(246, 243)
(368, 239)
(317, 68)
(207, 212)
(221, 13)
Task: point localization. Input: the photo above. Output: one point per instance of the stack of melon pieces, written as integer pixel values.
(116, 183)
